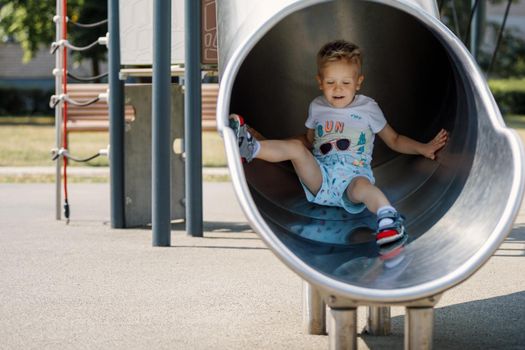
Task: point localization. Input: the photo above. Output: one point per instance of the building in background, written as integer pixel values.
(25, 88)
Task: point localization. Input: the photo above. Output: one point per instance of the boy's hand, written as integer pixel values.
(429, 149)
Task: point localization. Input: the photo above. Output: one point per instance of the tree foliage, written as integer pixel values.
(510, 57)
(30, 23)
(456, 14)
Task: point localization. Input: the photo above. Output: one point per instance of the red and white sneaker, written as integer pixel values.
(246, 142)
(391, 232)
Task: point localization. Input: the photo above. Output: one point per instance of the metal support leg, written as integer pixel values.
(161, 125)
(419, 325)
(343, 329)
(59, 64)
(192, 119)
(378, 320)
(116, 119)
(314, 310)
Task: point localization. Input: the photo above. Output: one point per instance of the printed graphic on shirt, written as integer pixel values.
(349, 131)
(337, 136)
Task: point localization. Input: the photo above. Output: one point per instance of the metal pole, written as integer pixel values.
(419, 325)
(314, 310)
(58, 110)
(343, 329)
(476, 27)
(116, 119)
(378, 320)
(161, 143)
(192, 118)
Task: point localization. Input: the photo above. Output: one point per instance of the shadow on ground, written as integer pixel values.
(514, 245)
(494, 323)
(219, 226)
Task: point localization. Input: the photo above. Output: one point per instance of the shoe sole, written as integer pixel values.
(240, 120)
(390, 239)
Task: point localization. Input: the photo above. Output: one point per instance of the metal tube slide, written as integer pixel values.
(458, 208)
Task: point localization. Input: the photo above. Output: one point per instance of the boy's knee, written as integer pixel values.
(358, 184)
(298, 146)
(361, 182)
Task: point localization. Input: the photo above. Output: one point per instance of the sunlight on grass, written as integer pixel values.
(517, 122)
(213, 154)
(30, 145)
(22, 145)
(46, 178)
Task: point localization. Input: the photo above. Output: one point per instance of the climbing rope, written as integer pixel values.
(89, 25)
(63, 97)
(55, 100)
(96, 77)
(56, 45)
(63, 152)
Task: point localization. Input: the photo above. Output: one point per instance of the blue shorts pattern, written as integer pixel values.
(338, 172)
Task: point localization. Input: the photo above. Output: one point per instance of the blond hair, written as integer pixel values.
(339, 50)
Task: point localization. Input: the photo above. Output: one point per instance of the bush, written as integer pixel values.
(18, 101)
(509, 94)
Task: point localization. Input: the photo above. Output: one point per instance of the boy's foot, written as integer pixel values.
(391, 232)
(247, 144)
(392, 250)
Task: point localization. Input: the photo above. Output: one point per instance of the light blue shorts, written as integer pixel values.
(338, 172)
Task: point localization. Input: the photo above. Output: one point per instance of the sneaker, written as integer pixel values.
(393, 251)
(246, 142)
(392, 232)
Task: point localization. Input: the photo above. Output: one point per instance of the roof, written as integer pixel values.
(11, 65)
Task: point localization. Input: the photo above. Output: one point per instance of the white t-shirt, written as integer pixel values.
(357, 122)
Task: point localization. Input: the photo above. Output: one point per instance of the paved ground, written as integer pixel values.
(87, 286)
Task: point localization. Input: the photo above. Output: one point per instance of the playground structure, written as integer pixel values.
(459, 208)
(89, 107)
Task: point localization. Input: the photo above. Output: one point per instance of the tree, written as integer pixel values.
(30, 23)
(510, 59)
(457, 16)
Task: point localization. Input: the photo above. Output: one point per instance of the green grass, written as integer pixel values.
(23, 144)
(30, 145)
(507, 84)
(213, 154)
(44, 178)
(27, 120)
(517, 122)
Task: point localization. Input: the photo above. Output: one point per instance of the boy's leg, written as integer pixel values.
(302, 159)
(361, 190)
(390, 223)
(274, 151)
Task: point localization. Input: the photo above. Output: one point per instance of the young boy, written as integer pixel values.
(333, 160)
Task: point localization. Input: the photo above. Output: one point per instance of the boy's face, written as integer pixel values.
(339, 81)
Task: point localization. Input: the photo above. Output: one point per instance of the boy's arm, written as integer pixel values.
(406, 145)
(309, 138)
